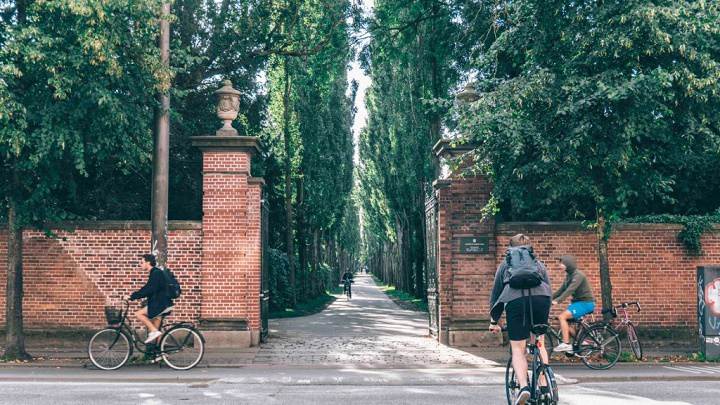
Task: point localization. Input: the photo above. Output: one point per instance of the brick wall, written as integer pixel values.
(647, 261)
(68, 279)
(459, 215)
(647, 264)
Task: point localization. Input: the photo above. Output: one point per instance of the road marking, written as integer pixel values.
(709, 370)
(575, 395)
(695, 369)
(678, 368)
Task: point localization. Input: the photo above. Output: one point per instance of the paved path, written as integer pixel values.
(368, 331)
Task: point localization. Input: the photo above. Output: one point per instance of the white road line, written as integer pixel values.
(575, 395)
(706, 370)
(679, 368)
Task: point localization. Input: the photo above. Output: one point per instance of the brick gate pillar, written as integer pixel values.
(466, 250)
(231, 244)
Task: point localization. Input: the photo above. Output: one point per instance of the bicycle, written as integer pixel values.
(628, 326)
(347, 288)
(181, 345)
(596, 344)
(538, 374)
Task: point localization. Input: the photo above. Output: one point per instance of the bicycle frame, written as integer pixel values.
(581, 326)
(539, 370)
(137, 341)
(536, 361)
(624, 318)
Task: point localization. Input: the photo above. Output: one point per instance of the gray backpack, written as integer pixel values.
(523, 271)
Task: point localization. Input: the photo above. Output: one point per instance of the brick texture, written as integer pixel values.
(232, 246)
(647, 264)
(647, 261)
(462, 277)
(69, 279)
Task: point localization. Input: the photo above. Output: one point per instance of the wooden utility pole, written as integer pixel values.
(161, 151)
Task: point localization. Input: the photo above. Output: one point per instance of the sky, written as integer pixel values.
(358, 74)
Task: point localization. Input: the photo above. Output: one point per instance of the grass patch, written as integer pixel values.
(699, 356)
(403, 299)
(306, 308)
(627, 357)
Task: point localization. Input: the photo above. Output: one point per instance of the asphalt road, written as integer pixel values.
(635, 393)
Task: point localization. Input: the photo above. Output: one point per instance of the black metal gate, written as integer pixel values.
(264, 275)
(431, 259)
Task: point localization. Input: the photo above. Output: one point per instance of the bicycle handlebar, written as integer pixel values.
(629, 304)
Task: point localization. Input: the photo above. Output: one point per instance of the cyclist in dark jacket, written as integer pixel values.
(347, 280)
(155, 290)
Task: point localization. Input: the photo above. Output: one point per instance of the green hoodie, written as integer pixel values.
(575, 284)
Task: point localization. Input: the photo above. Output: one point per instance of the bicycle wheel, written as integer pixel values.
(547, 379)
(599, 347)
(512, 388)
(182, 347)
(635, 344)
(109, 349)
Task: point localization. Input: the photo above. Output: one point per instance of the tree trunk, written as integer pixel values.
(301, 236)
(289, 246)
(419, 265)
(603, 236)
(14, 334)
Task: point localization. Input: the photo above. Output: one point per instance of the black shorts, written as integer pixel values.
(517, 314)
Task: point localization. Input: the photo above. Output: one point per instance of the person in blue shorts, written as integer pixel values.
(575, 285)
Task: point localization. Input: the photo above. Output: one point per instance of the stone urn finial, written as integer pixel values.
(228, 107)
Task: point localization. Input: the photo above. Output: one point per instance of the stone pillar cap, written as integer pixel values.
(249, 144)
(444, 147)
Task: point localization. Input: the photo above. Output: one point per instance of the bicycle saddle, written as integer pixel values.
(613, 311)
(167, 311)
(539, 329)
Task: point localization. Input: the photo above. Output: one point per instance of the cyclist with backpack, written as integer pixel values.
(583, 303)
(522, 290)
(159, 292)
(347, 280)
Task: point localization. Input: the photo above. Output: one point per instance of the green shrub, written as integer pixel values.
(279, 279)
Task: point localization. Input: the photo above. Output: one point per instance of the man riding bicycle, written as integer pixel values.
(523, 306)
(155, 290)
(583, 303)
(347, 280)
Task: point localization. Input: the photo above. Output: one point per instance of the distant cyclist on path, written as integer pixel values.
(347, 280)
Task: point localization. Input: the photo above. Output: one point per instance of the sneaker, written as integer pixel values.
(563, 347)
(523, 396)
(152, 336)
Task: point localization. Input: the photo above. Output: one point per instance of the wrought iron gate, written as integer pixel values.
(431, 259)
(264, 273)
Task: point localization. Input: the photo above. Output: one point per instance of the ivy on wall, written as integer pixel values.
(694, 226)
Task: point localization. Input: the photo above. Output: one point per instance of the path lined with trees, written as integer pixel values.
(586, 111)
